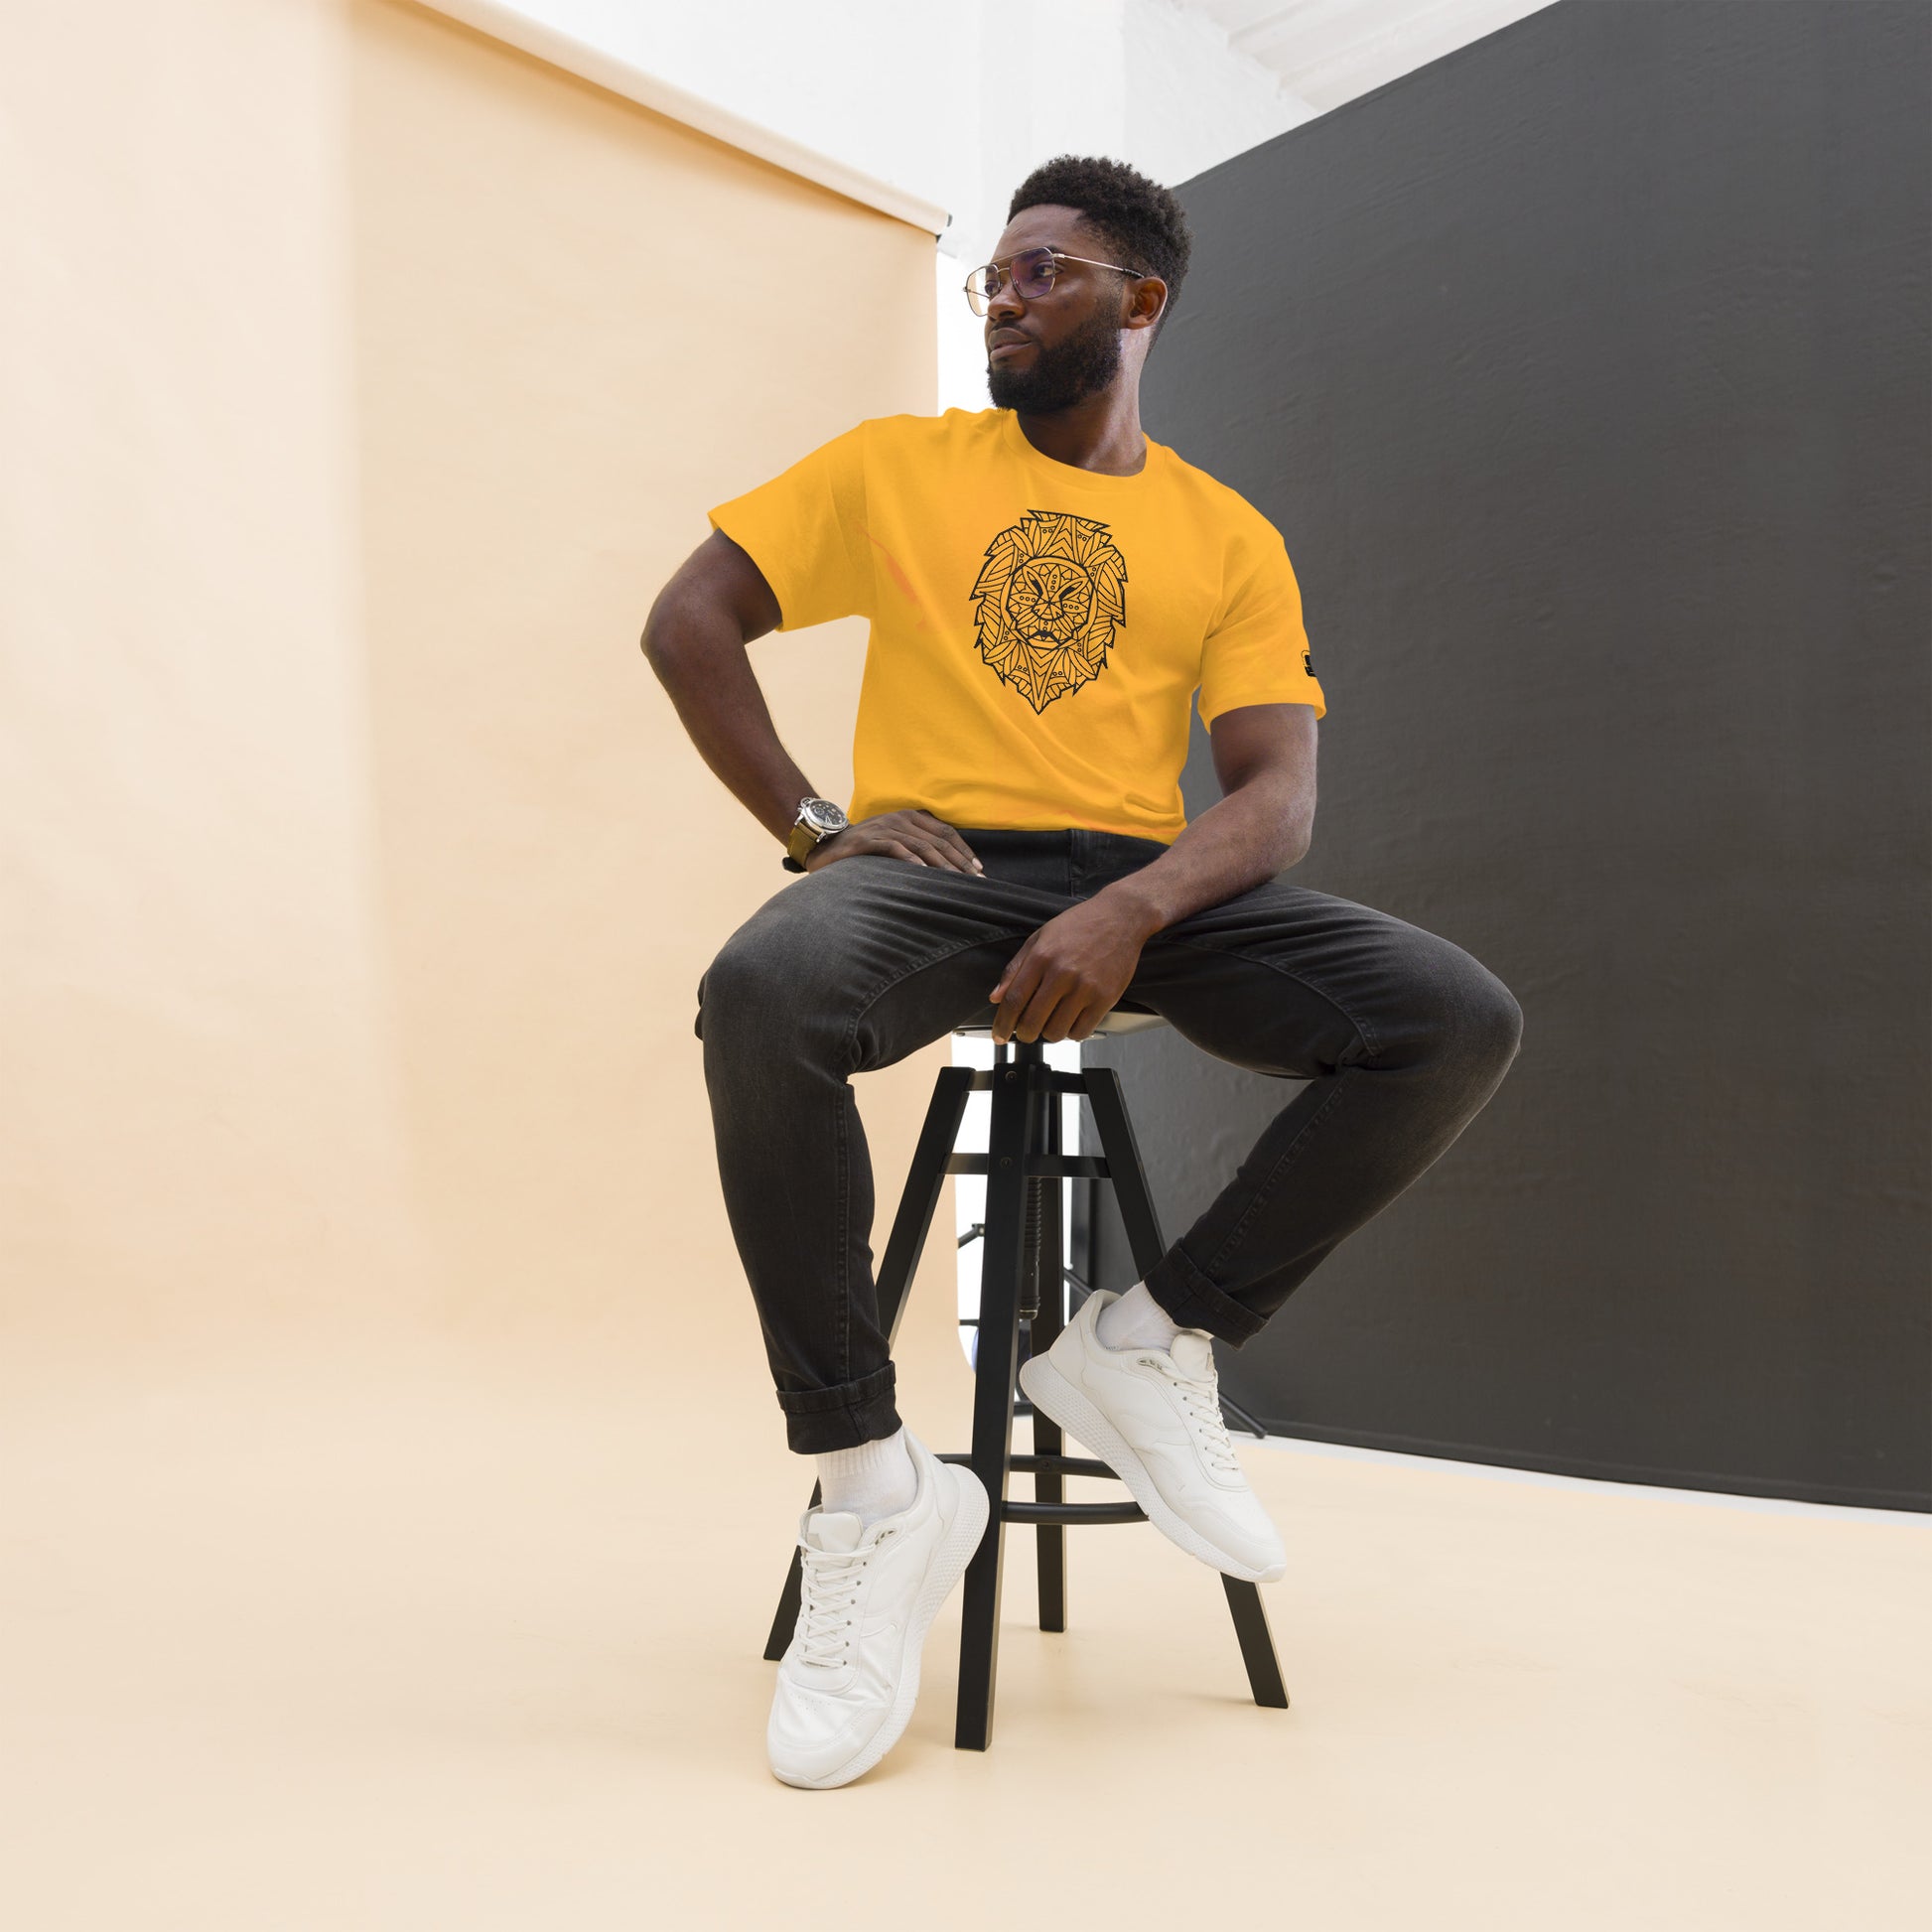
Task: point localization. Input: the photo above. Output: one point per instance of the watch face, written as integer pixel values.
(822, 814)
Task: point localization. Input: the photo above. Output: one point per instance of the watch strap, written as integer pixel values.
(801, 838)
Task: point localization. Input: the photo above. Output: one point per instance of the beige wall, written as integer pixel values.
(364, 382)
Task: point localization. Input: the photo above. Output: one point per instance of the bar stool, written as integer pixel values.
(1022, 1284)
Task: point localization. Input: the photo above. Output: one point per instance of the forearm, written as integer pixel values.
(701, 661)
(1246, 837)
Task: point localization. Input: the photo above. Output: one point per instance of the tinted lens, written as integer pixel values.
(1032, 272)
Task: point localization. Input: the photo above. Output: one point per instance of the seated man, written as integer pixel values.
(1049, 589)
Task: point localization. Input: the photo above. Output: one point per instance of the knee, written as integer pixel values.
(1500, 1020)
(1486, 1029)
(1465, 1016)
(740, 984)
(768, 997)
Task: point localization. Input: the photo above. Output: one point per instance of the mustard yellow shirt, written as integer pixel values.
(1038, 631)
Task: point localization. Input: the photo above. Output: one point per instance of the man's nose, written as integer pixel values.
(1005, 304)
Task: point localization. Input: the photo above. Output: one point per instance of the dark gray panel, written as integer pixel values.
(1585, 373)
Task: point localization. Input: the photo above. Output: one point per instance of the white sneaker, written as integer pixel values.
(1154, 1416)
(850, 1675)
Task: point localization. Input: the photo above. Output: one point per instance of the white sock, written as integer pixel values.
(878, 1478)
(1136, 1320)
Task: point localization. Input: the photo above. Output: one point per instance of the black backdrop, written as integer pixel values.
(1585, 373)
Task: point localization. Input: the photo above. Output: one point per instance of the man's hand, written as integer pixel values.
(1069, 972)
(914, 834)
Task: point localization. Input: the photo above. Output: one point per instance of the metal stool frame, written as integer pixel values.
(1023, 1284)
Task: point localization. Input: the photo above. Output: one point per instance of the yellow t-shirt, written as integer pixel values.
(1037, 629)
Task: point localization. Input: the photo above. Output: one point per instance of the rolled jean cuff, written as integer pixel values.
(820, 1420)
(1192, 1300)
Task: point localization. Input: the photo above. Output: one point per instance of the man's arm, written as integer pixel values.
(1072, 969)
(715, 604)
(1263, 755)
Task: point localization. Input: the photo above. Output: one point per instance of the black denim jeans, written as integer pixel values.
(1401, 1036)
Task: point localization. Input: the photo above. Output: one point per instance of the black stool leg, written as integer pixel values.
(1122, 1154)
(1257, 1643)
(785, 1620)
(924, 1180)
(1049, 1290)
(995, 1363)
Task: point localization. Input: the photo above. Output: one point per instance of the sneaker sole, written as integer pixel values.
(956, 1550)
(1049, 1390)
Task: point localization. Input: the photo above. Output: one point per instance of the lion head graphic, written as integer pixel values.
(1049, 596)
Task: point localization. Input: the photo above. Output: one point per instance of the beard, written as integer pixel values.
(1078, 367)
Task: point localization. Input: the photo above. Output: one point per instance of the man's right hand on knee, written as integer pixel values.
(912, 835)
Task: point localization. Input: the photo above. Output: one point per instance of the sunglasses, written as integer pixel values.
(1032, 273)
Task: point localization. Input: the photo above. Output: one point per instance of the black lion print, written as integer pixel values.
(1050, 596)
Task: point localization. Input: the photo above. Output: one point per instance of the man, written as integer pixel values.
(1049, 590)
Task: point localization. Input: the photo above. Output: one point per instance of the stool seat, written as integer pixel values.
(1119, 1019)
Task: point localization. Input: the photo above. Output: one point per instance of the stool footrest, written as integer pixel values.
(1042, 1466)
(1070, 1513)
(1015, 1511)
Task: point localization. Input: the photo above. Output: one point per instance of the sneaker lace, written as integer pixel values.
(830, 1597)
(1201, 1396)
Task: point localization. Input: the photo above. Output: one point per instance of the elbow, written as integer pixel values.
(1297, 835)
(682, 628)
(654, 640)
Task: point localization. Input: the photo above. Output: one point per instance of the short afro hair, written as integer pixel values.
(1142, 221)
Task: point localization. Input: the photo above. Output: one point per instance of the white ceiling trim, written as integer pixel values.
(560, 50)
(1329, 51)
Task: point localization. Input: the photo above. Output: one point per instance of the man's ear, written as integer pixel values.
(1146, 302)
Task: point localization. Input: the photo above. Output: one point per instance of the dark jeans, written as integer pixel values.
(1401, 1036)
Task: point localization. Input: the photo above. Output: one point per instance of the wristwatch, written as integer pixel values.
(818, 818)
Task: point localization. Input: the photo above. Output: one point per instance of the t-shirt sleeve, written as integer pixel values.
(805, 530)
(1258, 650)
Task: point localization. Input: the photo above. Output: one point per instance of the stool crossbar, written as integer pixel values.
(1023, 1286)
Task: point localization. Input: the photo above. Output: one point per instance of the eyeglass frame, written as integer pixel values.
(1045, 248)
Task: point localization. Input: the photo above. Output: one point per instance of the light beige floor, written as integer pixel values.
(437, 1637)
